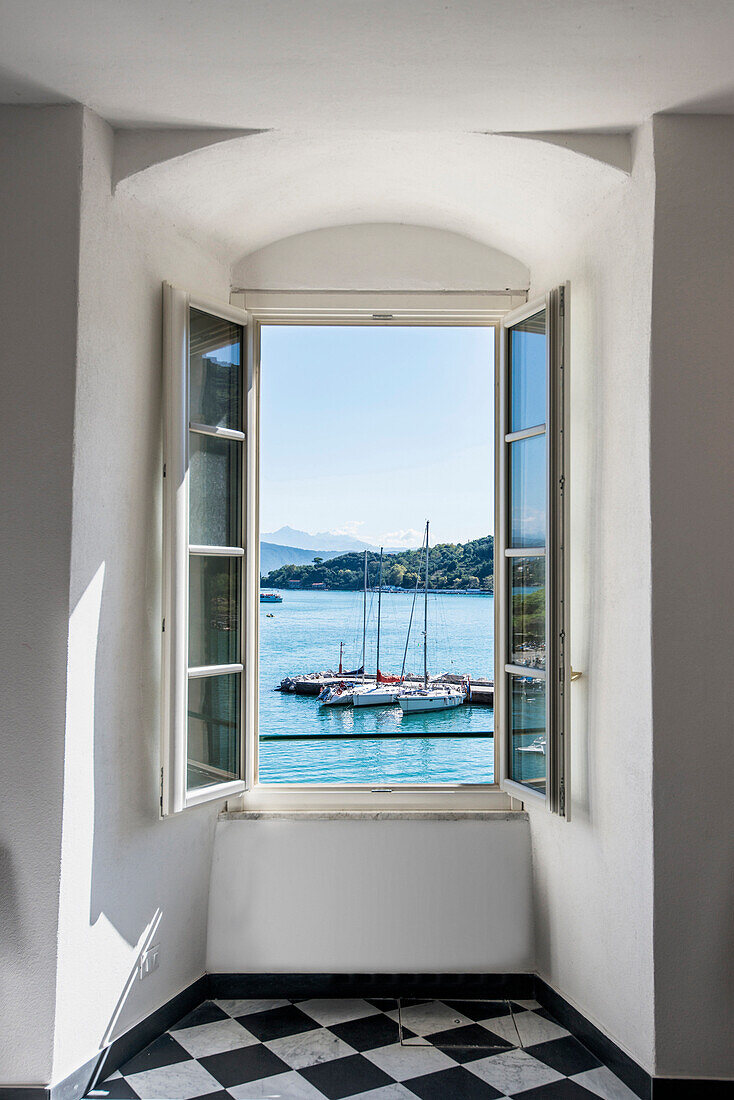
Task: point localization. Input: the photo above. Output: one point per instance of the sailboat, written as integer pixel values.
(385, 690)
(438, 697)
(343, 693)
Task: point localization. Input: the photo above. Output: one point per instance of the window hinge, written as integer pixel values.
(164, 469)
(562, 797)
(161, 792)
(163, 627)
(562, 482)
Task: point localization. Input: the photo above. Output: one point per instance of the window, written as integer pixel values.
(531, 672)
(204, 551)
(210, 739)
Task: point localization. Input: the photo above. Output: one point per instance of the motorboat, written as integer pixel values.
(270, 597)
(336, 695)
(538, 746)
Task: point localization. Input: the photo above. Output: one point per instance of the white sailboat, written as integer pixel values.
(384, 692)
(437, 697)
(342, 694)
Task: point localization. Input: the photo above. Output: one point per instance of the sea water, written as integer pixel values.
(303, 634)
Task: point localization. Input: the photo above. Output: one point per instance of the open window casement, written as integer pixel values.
(532, 670)
(207, 389)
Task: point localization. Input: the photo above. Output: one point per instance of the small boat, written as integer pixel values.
(382, 695)
(538, 745)
(270, 615)
(270, 597)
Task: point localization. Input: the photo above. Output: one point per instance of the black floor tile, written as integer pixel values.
(452, 1084)
(466, 1044)
(275, 1023)
(164, 1051)
(206, 1013)
(221, 1095)
(346, 1076)
(557, 1090)
(567, 1055)
(239, 1067)
(385, 1004)
(370, 1032)
(480, 1010)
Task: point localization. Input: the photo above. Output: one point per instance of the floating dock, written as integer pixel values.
(482, 691)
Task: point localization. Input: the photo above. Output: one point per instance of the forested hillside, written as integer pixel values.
(450, 565)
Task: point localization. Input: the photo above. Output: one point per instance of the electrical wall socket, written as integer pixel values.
(149, 961)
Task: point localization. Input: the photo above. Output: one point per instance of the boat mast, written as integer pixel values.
(425, 621)
(379, 604)
(364, 619)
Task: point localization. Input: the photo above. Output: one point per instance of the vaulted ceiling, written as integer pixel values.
(369, 110)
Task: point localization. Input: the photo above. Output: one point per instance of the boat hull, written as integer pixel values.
(376, 697)
(429, 701)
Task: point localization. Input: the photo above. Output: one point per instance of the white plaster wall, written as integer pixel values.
(371, 896)
(125, 875)
(692, 459)
(379, 257)
(593, 876)
(39, 197)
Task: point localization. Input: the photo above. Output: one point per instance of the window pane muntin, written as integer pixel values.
(527, 372)
(527, 490)
(214, 610)
(215, 491)
(527, 612)
(215, 371)
(213, 736)
(527, 731)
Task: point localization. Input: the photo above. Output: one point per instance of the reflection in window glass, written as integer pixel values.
(215, 467)
(527, 491)
(527, 373)
(527, 591)
(528, 732)
(215, 370)
(213, 732)
(214, 587)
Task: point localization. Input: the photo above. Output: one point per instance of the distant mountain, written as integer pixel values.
(287, 536)
(273, 556)
(324, 540)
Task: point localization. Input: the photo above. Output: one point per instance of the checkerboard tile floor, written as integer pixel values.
(366, 1050)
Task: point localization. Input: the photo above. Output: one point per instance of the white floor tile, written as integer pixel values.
(404, 1062)
(284, 1086)
(182, 1081)
(433, 1016)
(513, 1071)
(213, 1038)
(333, 1011)
(603, 1082)
(241, 1008)
(309, 1048)
(387, 1092)
(526, 1004)
(531, 1027)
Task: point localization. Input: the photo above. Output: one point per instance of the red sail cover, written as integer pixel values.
(387, 679)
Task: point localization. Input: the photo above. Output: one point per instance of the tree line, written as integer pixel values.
(450, 565)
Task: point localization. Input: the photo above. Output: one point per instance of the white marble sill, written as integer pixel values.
(374, 815)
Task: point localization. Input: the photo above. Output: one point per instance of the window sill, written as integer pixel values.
(373, 815)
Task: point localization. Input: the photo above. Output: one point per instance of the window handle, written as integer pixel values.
(575, 675)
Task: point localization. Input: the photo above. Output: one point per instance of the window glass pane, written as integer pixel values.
(527, 492)
(527, 373)
(213, 733)
(215, 468)
(527, 732)
(527, 616)
(214, 596)
(215, 358)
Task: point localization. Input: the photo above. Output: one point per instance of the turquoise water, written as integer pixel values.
(303, 635)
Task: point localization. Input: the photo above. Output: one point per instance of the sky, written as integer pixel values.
(372, 430)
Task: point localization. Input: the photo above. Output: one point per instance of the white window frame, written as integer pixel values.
(349, 308)
(557, 674)
(174, 796)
